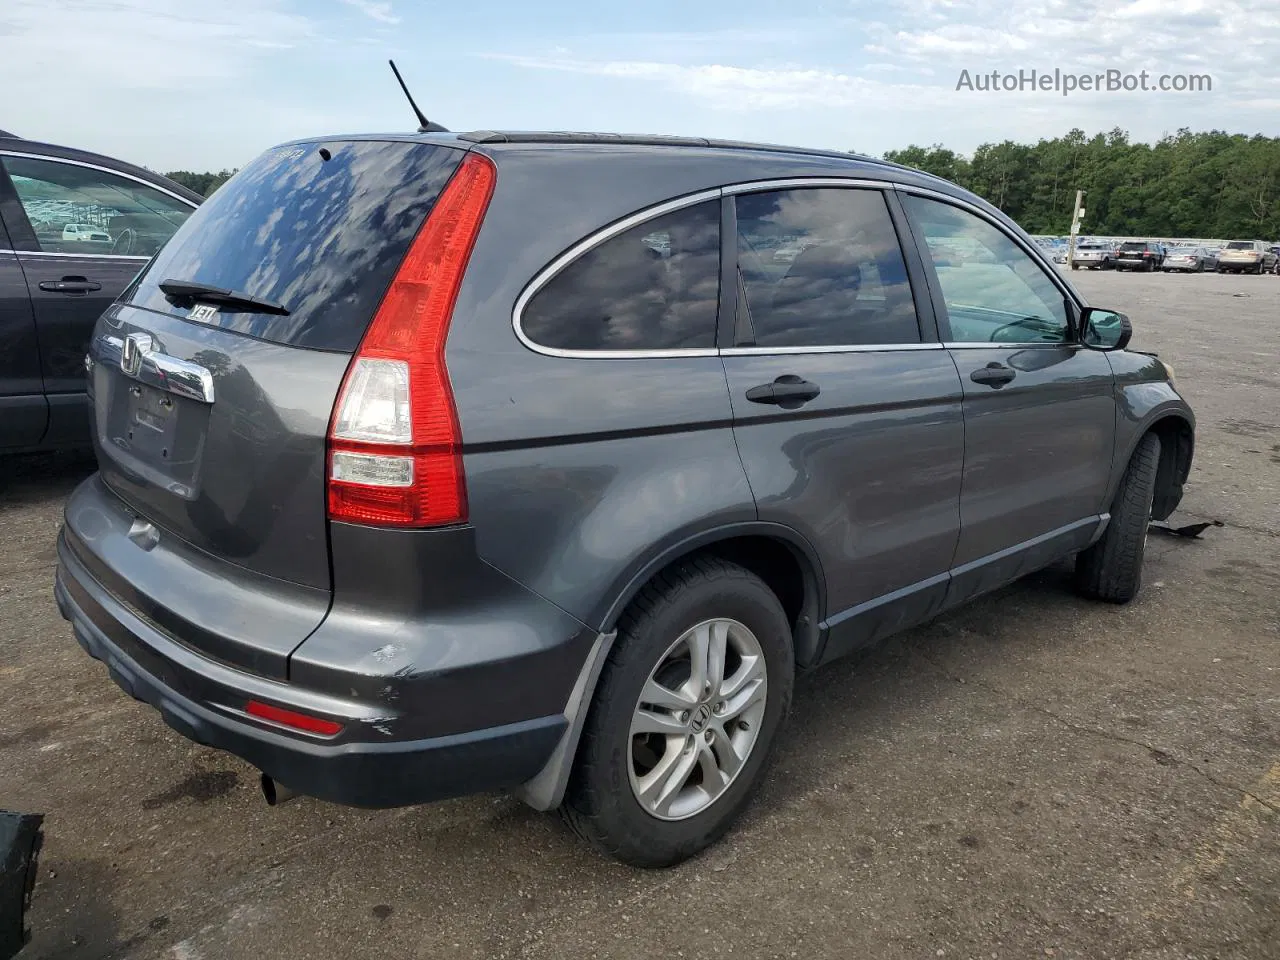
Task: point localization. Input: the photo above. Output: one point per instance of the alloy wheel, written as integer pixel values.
(697, 719)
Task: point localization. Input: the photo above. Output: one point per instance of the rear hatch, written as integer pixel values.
(211, 408)
(1133, 251)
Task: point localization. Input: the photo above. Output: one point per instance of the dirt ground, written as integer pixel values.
(1032, 776)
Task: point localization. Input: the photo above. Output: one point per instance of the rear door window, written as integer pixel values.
(319, 228)
(822, 267)
(655, 286)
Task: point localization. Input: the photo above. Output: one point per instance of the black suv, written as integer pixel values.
(433, 464)
(1139, 255)
(75, 228)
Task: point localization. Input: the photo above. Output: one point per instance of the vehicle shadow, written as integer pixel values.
(35, 478)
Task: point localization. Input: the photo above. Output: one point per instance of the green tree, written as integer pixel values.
(1208, 184)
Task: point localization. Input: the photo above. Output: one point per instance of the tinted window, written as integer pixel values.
(1240, 245)
(321, 237)
(1133, 246)
(75, 209)
(1003, 296)
(822, 267)
(653, 287)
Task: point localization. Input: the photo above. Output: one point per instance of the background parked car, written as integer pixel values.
(1275, 267)
(75, 228)
(1139, 255)
(1095, 256)
(1246, 256)
(1190, 260)
(85, 233)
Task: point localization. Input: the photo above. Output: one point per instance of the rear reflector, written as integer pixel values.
(395, 455)
(291, 718)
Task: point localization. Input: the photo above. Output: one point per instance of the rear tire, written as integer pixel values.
(602, 804)
(1111, 569)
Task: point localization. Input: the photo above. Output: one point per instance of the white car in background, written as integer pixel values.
(1094, 256)
(85, 233)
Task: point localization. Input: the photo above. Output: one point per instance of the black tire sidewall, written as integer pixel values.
(642, 837)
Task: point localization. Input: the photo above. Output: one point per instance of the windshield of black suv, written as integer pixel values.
(1134, 246)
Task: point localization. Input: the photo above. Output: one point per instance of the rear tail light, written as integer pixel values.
(394, 443)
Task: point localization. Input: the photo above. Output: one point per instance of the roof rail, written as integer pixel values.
(659, 140)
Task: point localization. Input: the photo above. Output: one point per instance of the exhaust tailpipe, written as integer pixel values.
(275, 793)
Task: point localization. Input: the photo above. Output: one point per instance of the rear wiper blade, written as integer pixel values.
(204, 293)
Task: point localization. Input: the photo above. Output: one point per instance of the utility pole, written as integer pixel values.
(1076, 216)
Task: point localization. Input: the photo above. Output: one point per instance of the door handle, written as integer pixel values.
(70, 285)
(994, 375)
(788, 391)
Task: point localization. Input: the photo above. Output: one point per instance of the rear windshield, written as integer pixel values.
(322, 238)
(1240, 245)
(1133, 246)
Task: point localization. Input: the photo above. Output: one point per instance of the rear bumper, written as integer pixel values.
(153, 669)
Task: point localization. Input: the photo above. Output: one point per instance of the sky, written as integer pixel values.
(181, 84)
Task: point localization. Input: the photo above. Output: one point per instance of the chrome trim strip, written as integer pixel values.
(548, 273)
(94, 166)
(1028, 247)
(1000, 345)
(850, 348)
(787, 183)
(137, 357)
(74, 256)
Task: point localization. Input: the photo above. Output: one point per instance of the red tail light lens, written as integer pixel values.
(394, 443)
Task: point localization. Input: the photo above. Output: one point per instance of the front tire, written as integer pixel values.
(665, 769)
(1111, 569)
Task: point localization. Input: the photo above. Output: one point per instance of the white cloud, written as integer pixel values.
(889, 78)
(736, 88)
(375, 10)
(129, 45)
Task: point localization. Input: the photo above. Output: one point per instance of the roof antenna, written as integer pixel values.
(424, 125)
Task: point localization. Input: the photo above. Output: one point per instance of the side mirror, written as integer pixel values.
(1104, 329)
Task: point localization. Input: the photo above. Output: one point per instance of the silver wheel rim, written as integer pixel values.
(697, 719)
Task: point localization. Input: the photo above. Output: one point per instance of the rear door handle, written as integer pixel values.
(994, 375)
(787, 391)
(70, 285)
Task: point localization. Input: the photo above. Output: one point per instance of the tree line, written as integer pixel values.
(1211, 184)
(202, 183)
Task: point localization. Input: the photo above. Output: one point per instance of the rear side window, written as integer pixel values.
(652, 287)
(822, 267)
(323, 238)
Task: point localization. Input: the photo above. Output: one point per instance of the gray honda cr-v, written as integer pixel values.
(437, 463)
